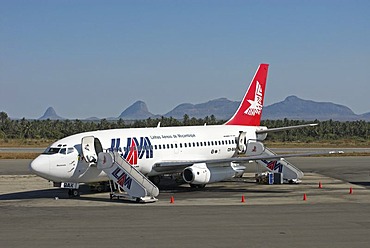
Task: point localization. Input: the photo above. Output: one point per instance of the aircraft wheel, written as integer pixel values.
(201, 186)
(99, 188)
(197, 186)
(75, 193)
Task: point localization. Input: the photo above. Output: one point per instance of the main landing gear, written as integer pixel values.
(197, 186)
(155, 179)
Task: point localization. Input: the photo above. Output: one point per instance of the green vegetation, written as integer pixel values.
(43, 132)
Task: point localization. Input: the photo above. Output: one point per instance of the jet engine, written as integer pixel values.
(201, 174)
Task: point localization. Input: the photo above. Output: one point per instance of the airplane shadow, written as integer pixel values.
(43, 194)
(86, 194)
(363, 184)
(34, 194)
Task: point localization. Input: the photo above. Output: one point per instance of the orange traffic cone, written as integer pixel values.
(304, 197)
(172, 200)
(320, 185)
(243, 199)
(350, 190)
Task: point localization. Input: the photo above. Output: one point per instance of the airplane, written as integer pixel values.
(137, 157)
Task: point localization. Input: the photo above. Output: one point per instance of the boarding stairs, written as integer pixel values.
(289, 171)
(127, 178)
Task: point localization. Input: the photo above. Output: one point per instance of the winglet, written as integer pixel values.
(250, 110)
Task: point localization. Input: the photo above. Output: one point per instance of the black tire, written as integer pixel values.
(197, 186)
(99, 188)
(75, 193)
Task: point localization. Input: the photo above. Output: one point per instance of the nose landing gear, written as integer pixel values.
(73, 193)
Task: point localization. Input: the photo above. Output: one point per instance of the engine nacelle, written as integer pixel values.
(201, 174)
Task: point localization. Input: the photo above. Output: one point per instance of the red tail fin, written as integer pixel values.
(250, 110)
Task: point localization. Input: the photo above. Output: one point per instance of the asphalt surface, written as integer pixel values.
(34, 214)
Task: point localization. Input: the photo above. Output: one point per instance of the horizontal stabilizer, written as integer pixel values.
(278, 129)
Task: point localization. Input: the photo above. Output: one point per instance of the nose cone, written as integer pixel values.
(40, 166)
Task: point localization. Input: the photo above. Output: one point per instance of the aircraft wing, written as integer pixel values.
(173, 166)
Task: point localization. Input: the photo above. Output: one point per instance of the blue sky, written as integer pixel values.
(96, 58)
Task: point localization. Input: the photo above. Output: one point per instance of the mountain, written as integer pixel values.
(296, 108)
(92, 119)
(51, 115)
(365, 116)
(221, 108)
(137, 111)
(292, 107)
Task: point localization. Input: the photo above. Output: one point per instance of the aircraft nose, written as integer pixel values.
(40, 166)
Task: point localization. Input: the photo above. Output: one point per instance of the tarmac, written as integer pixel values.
(35, 214)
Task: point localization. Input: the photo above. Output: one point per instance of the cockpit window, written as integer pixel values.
(60, 150)
(51, 150)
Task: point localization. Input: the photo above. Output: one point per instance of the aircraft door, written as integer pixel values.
(254, 147)
(241, 142)
(91, 147)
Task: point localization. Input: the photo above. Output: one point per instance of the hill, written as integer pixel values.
(51, 115)
(137, 111)
(295, 108)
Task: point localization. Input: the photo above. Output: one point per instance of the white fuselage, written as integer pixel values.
(143, 148)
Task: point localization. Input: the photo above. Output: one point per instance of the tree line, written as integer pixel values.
(57, 129)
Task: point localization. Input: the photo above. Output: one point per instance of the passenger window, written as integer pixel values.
(172, 146)
(155, 147)
(168, 146)
(160, 146)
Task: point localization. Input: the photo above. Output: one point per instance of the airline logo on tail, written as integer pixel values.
(250, 110)
(256, 105)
